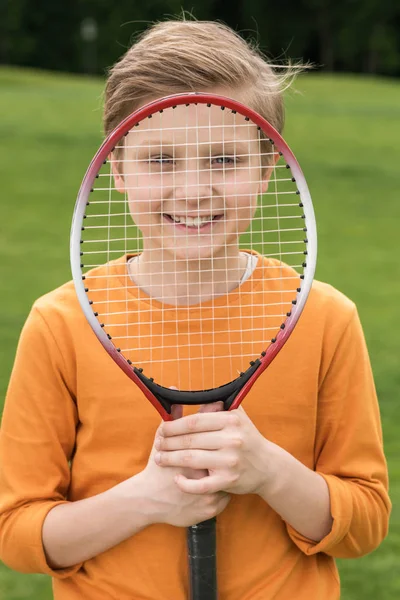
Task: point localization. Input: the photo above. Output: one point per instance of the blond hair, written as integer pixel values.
(178, 56)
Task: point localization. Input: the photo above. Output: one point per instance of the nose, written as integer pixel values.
(192, 181)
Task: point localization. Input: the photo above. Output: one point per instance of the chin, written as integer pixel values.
(190, 253)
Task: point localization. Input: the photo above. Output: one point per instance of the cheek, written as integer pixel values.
(143, 210)
(242, 196)
(143, 180)
(144, 198)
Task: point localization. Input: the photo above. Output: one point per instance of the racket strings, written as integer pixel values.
(177, 214)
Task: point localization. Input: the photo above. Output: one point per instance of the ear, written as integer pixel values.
(118, 176)
(268, 172)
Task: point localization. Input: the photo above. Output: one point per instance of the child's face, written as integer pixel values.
(192, 176)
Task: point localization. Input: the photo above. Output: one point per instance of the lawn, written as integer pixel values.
(345, 131)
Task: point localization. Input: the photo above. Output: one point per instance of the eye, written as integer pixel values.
(224, 160)
(161, 160)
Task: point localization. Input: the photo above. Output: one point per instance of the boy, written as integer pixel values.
(99, 500)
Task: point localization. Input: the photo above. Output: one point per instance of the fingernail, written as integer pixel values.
(157, 443)
(157, 457)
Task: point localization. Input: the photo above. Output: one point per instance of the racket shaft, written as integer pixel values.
(203, 560)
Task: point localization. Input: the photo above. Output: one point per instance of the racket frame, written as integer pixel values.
(160, 397)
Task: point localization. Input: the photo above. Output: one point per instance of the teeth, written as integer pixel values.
(191, 221)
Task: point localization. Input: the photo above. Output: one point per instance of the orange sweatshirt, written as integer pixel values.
(74, 425)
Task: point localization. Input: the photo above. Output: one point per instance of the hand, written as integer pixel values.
(226, 444)
(166, 502)
(177, 412)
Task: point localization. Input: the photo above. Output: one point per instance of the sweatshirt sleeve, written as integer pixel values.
(37, 439)
(349, 451)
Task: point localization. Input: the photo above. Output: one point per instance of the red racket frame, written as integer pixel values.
(103, 153)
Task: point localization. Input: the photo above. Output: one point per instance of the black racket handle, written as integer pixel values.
(202, 550)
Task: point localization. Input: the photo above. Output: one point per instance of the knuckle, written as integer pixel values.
(160, 458)
(237, 441)
(186, 457)
(187, 441)
(202, 490)
(192, 422)
(233, 461)
(163, 444)
(234, 478)
(234, 419)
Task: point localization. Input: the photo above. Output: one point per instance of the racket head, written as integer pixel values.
(284, 214)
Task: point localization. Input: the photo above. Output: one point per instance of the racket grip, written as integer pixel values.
(203, 560)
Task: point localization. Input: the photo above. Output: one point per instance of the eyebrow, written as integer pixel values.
(215, 147)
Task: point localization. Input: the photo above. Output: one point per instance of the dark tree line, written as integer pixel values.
(89, 35)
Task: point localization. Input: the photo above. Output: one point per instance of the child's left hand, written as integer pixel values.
(227, 444)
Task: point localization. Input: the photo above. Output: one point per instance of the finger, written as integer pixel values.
(206, 485)
(157, 438)
(158, 431)
(213, 407)
(206, 440)
(176, 411)
(196, 459)
(198, 422)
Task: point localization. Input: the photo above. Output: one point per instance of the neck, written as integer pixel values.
(187, 281)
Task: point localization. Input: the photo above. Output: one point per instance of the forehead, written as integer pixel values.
(193, 124)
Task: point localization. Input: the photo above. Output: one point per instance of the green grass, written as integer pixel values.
(345, 132)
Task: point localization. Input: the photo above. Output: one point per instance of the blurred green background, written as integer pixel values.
(344, 128)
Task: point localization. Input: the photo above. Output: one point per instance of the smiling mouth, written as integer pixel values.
(192, 222)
